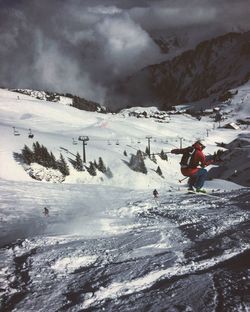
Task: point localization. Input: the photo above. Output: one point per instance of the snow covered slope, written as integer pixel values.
(58, 126)
(110, 245)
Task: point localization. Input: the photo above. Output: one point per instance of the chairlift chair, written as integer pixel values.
(30, 135)
(16, 133)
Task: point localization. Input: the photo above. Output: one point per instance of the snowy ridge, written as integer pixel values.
(46, 96)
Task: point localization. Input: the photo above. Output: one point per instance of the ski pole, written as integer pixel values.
(182, 179)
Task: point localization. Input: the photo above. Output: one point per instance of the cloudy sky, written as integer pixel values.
(84, 46)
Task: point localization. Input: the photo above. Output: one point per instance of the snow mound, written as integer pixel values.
(41, 173)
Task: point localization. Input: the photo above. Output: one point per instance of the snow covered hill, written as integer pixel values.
(66, 99)
(58, 127)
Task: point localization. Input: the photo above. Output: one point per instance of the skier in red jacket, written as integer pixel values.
(192, 164)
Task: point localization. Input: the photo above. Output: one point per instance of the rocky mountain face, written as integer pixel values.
(86, 105)
(171, 44)
(235, 162)
(205, 72)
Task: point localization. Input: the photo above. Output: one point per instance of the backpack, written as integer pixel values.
(187, 160)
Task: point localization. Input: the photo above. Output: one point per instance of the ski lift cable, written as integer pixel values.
(129, 139)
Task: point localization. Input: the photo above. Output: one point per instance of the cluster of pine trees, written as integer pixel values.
(163, 155)
(78, 163)
(137, 163)
(93, 166)
(40, 154)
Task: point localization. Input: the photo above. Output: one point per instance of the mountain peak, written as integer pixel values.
(204, 73)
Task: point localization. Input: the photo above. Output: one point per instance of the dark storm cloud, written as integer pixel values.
(82, 47)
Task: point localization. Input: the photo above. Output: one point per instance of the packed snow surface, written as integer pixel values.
(106, 243)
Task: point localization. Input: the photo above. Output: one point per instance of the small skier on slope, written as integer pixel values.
(46, 211)
(192, 164)
(155, 193)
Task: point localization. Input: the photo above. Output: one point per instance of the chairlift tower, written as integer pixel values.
(84, 139)
(149, 138)
(181, 140)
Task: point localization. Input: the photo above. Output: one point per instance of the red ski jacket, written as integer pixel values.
(198, 160)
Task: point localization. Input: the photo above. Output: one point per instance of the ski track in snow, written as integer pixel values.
(153, 230)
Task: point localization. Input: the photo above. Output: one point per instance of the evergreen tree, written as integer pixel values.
(37, 152)
(137, 163)
(53, 163)
(139, 153)
(143, 168)
(163, 155)
(158, 170)
(101, 165)
(44, 157)
(78, 163)
(91, 170)
(108, 173)
(36, 146)
(154, 158)
(27, 155)
(62, 166)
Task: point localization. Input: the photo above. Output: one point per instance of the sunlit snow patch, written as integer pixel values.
(70, 264)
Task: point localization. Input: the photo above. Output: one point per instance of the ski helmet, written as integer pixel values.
(201, 143)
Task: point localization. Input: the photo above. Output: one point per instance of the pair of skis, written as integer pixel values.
(204, 194)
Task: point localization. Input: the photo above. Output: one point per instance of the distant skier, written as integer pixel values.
(192, 164)
(46, 211)
(155, 193)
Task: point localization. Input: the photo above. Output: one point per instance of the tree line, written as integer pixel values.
(137, 163)
(93, 166)
(40, 154)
